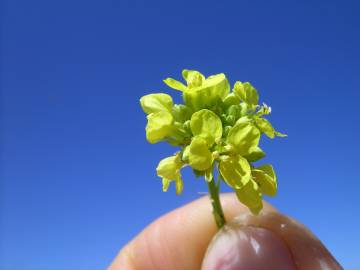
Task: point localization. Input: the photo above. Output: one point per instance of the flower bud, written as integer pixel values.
(181, 113)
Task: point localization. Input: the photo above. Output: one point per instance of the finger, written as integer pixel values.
(268, 241)
(177, 240)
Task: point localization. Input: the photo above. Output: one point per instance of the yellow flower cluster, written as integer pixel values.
(215, 128)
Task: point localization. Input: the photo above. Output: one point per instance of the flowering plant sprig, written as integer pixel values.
(215, 129)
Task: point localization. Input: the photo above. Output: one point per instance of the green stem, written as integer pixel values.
(216, 204)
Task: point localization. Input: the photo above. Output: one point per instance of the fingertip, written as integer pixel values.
(247, 248)
(275, 236)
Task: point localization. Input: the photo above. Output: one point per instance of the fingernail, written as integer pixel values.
(247, 248)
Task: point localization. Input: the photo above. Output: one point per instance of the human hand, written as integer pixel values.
(186, 239)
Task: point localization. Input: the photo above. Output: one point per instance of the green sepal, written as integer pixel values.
(179, 185)
(235, 170)
(206, 125)
(157, 102)
(279, 134)
(185, 154)
(187, 127)
(209, 173)
(165, 184)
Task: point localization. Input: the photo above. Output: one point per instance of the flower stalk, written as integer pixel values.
(217, 210)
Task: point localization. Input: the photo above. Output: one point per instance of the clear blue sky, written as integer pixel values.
(77, 175)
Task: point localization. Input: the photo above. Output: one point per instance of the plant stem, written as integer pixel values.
(216, 204)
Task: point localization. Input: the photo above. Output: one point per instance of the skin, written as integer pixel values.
(187, 238)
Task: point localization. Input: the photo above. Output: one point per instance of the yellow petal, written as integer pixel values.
(250, 196)
(235, 171)
(153, 103)
(244, 137)
(200, 157)
(265, 127)
(169, 167)
(174, 84)
(265, 177)
(159, 126)
(206, 125)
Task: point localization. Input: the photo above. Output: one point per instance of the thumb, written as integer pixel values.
(268, 241)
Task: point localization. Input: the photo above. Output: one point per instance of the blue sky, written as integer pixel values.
(77, 175)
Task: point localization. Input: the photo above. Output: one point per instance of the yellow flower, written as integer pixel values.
(169, 170)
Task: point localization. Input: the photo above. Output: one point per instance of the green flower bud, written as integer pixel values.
(231, 99)
(230, 120)
(181, 113)
(234, 110)
(187, 127)
(237, 111)
(226, 130)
